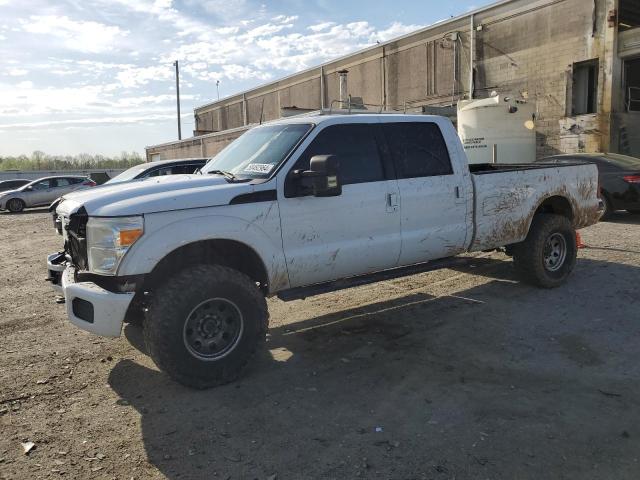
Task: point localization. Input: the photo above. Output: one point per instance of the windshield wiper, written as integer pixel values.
(227, 175)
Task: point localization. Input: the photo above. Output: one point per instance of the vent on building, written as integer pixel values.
(585, 88)
(629, 14)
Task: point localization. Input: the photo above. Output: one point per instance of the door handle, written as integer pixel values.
(392, 202)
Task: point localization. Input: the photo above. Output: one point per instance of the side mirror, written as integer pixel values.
(323, 176)
(29, 188)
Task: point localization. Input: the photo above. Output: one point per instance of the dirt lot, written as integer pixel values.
(453, 374)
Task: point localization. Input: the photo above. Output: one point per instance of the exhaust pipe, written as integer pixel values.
(344, 91)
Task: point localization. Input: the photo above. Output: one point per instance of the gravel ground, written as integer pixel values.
(454, 374)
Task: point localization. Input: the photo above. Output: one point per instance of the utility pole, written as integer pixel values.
(178, 98)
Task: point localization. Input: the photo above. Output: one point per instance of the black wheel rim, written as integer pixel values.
(213, 329)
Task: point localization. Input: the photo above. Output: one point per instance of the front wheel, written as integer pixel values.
(204, 324)
(547, 256)
(15, 205)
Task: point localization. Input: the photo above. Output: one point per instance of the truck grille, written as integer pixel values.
(76, 239)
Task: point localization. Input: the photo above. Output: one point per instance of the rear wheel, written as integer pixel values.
(15, 205)
(608, 208)
(548, 255)
(204, 324)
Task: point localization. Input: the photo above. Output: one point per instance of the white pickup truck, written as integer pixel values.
(294, 208)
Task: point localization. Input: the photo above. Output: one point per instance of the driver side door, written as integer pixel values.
(40, 192)
(356, 232)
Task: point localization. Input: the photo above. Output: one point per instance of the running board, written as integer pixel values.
(300, 293)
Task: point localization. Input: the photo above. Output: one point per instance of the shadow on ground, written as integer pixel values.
(497, 381)
(28, 211)
(624, 217)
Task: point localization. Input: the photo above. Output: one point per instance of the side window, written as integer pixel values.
(184, 169)
(418, 149)
(158, 172)
(43, 185)
(74, 181)
(355, 146)
(605, 166)
(63, 182)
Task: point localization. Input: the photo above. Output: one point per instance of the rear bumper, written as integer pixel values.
(89, 307)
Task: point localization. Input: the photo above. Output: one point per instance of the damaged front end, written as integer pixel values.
(94, 303)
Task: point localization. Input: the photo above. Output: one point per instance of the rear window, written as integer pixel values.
(624, 161)
(418, 149)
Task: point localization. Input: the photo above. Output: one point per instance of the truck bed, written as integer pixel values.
(507, 196)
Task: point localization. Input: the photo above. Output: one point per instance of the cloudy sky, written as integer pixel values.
(96, 76)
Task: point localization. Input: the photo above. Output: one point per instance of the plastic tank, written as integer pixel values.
(498, 130)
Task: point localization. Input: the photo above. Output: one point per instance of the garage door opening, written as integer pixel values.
(632, 84)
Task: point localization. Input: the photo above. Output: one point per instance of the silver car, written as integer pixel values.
(42, 192)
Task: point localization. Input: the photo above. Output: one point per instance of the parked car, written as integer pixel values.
(13, 184)
(42, 192)
(295, 208)
(619, 178)
(158, 169)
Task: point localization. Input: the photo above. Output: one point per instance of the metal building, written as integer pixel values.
(577, 61)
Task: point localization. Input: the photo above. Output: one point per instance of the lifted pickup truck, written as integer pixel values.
(294, 208)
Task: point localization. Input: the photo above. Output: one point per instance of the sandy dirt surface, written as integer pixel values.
(454, 374)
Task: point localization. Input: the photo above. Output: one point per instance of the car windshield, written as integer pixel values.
(623, 161)
(258, 152)
(129, 174)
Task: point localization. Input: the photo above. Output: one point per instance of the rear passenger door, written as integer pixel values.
(357, 232)
(65, 185)
(432, 194)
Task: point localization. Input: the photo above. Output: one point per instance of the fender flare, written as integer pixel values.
(145, 254)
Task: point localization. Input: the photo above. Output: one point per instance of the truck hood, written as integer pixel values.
(171, 192)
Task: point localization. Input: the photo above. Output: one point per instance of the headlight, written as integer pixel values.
(108, 239)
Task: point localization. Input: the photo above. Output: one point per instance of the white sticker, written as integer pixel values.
(258, 167)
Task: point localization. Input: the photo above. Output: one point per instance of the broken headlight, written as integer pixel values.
(108, 239)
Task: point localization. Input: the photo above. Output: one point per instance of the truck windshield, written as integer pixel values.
(258, 152)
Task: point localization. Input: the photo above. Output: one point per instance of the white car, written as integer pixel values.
(298, 207)
(42, 192)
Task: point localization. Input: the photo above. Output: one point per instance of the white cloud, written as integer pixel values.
(137, 76)
(321, 26)
(83, 36)
(17, 72)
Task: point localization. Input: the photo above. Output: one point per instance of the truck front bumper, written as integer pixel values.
(88, 305)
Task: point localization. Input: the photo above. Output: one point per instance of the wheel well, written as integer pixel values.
(228, 253)
(558, 205)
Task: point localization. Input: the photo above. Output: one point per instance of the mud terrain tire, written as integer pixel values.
(204, 324)
(548, 255)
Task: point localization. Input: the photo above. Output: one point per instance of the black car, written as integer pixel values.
(159, 168)
(619, 178)
(6, 185)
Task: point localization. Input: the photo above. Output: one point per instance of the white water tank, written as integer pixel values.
(498, 130)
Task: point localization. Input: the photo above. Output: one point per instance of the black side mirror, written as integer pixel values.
(323, 176)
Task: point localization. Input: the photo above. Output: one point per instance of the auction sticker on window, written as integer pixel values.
(258, 168)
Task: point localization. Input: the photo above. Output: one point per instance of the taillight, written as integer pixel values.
(631, 178)
(89, 183)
